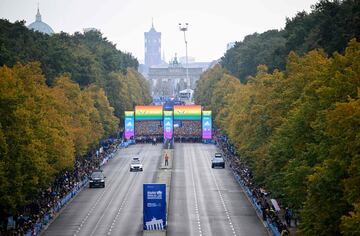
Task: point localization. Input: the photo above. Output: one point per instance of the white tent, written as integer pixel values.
(186, 94)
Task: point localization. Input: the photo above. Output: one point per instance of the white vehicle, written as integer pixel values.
(218, 161)
(136, 164)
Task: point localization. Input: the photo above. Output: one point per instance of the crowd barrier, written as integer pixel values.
(61, 203)
(271, 226)
(208, 141)
(126, 144)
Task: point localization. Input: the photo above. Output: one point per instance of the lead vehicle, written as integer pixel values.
(136, 165)
(218, 161)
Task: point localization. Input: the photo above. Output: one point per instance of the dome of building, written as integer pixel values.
(40, 26)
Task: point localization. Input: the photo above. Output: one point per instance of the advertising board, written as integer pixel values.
(189, 112)
(129, 124)
(148, 113)
(154, 206)
(168, 124)
(206, 125)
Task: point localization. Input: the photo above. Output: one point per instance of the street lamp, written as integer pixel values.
(184, 28)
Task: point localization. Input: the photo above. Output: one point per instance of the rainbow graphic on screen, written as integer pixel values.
(148, 113)
(206, 125)
(168, 124)
(190, 112)
(129, 124)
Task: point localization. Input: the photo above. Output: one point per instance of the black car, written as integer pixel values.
(218, 161)
(97, 179)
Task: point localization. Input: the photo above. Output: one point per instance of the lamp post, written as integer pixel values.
(184, 28)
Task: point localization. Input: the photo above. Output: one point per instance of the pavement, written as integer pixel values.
(117, 208)
(200, 200)
(206, 201)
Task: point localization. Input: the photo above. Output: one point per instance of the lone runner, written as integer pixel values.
(166, 159)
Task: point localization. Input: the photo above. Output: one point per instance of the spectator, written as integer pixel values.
(33, 216)
(288, 216)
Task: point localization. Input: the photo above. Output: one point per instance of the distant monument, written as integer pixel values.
(39, 25)
(169, 80)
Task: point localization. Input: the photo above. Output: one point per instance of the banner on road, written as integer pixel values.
(129, 124)
(154, 206)
(206, 125)
(168, 124)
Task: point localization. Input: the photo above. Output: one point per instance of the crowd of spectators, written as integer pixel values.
(148, 130)
(184, 131)
(188, 131)
(278, 217)
(46, 206)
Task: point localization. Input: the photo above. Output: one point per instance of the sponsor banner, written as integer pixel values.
(168, 125)
(190, 112)
(206, 125)
(129, 124)
(154, 206)
(148, 113)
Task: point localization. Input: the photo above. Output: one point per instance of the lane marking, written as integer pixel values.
(110, 185)
(111, 200)
(196, 199)
(221, 198)
(125, 200)
(123, 203)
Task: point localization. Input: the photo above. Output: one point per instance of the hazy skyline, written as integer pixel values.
(211, 24)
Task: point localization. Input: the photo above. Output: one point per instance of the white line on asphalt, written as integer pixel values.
(124, 201)
(97, 202)
(196, 200)
(222, 200)
(114, 196)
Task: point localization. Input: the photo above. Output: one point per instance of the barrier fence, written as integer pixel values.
(41, 224)
(273, 229)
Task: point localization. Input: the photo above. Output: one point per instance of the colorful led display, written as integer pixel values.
(168, 124)
(129, 124)
(148, 113)
(206, 125)
(190, 112)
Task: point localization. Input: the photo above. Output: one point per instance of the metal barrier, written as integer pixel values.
(273, 229)
(61, 203)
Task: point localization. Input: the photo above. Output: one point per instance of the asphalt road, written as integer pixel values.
(203, 201)
(206, 201)
(117, 208)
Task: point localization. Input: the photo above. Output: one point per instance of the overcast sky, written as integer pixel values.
(212, 23)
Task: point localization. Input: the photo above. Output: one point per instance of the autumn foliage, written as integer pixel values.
(299, 130)
(42, 130)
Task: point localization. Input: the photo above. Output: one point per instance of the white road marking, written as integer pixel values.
(124, 201)
(222, 199)
(196, 200)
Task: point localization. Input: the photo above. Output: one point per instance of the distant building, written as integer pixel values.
(152, 47)
(40, 26)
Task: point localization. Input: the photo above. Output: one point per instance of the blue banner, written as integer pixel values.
(154, 206)
(168, 125)
(206, 125)
(129, 124)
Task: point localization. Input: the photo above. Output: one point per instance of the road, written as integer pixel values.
(115, 209)
(206, 201)
(203, 201)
